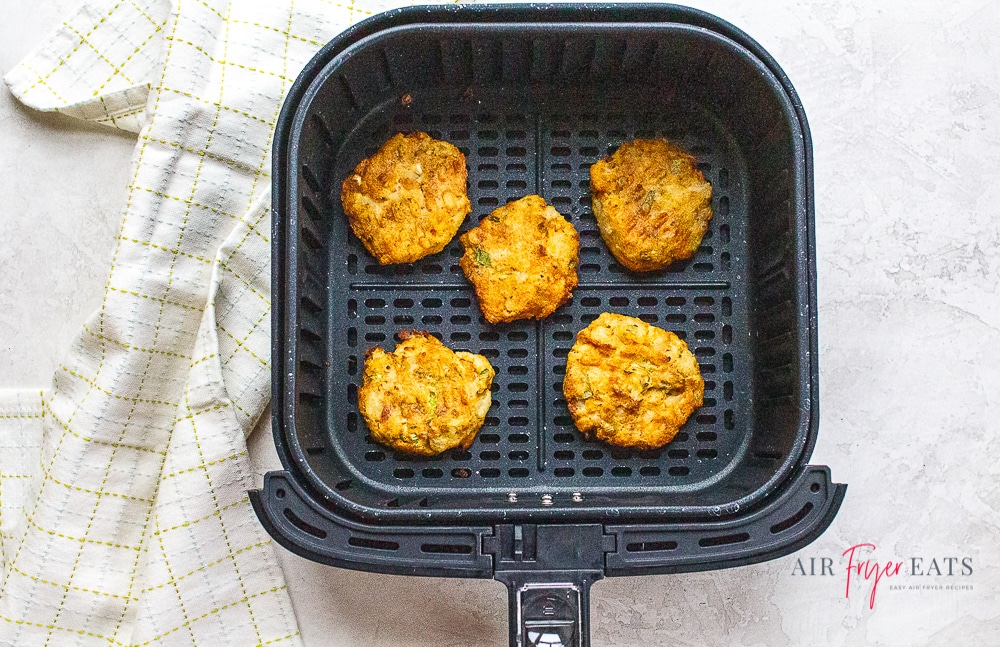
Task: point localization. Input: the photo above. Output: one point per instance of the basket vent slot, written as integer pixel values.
(375, 544)
(705, 542)
(446, 549)
(792, 520)
(304, 526)
(649, 546)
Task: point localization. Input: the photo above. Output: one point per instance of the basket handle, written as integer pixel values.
(548, 571)
(549, 609)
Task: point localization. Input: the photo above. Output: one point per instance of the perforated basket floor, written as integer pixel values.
(532, 110)
(529, 435)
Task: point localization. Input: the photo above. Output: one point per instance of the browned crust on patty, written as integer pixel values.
(631, 384)
(409, 199)
(651, 202)
(522, 259)
(423, 398)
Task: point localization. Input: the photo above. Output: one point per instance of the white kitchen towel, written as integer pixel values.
(20, 445)
(124, 517)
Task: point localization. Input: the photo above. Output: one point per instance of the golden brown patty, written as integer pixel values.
(631, 384)
(407, 200)
(651, 202)
(522, 260)
(423, 398)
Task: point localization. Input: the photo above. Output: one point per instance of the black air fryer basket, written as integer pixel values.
(533, 95)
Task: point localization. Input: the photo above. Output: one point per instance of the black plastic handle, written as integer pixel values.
(549, 568)
(790, 519)
(299, 521)
(549, 611)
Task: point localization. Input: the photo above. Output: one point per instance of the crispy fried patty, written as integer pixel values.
(522, 260)
(407, 200)
(423, 398)
(651, 202)
(631, 384)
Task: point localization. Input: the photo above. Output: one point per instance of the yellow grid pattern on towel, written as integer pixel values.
(135, 528)
(20, 447)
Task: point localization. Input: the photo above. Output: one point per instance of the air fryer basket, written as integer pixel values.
(533, 96)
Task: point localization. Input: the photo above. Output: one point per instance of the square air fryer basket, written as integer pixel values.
(533, 95)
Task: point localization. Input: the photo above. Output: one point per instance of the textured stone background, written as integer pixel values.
(904, 105)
